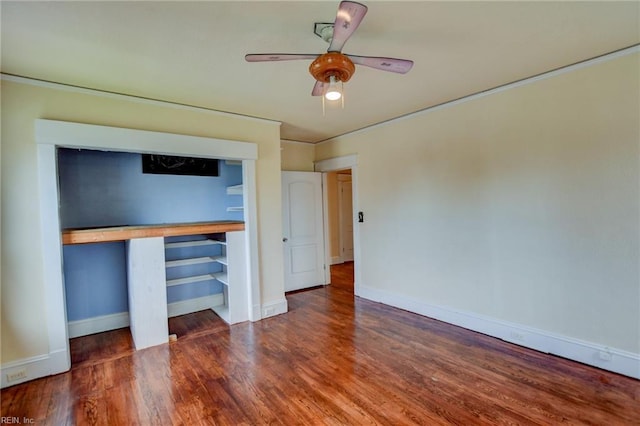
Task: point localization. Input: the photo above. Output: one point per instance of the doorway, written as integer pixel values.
(342, 226)
(340, 215)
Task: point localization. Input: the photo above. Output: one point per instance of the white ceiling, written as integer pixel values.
(193, 52)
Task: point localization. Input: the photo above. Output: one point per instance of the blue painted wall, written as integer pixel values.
(108, 189)
(95, 278)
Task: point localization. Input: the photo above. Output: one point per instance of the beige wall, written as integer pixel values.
(521, 206)
(297, 156)
(24, 332)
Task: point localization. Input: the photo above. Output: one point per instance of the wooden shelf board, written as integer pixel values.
(122, 233)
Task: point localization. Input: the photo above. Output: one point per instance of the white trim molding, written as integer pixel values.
(85, 327)
(91, 136)
(28, 369)
(274, 308)
(58, 359)
(249, 195)
(130, 98)
(610, 359)
(336, 163)
(34, 367)
(292, 142)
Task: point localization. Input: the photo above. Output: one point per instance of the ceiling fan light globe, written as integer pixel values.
(334, 91)
(333, 95)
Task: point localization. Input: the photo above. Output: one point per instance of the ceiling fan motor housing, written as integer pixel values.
(332, 64)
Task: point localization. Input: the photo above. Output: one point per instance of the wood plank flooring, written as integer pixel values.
(331, 360)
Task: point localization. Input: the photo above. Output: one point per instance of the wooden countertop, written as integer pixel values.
(121, 233)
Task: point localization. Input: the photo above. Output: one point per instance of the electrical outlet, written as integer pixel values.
(517, 336)
(605, 355)
(17, 375)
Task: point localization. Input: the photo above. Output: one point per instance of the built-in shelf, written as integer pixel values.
(222, 277)
(189, 280)
(194, 243)
(221, 260)
(235, 190)
(189, 261)
(230, 273)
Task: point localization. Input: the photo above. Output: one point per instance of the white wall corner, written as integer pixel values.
(610, 359)
(277, 307)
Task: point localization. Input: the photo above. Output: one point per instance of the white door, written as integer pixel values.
(346, 219)
(303, 234)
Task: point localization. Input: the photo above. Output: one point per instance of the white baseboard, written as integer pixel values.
(274, 308)
(120, 320)
(97, 324)
(610, 359)
(335, 260)
(35, 367)
(194, 305)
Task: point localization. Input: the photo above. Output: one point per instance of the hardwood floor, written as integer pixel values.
(331, 359)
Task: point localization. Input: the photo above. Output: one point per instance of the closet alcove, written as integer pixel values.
(107, 201)
(52, 135)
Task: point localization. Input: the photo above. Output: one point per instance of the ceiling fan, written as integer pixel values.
(333, 68)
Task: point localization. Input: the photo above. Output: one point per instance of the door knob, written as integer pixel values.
(285, 239)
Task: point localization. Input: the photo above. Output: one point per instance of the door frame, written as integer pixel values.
(342, 179)
(332, 165)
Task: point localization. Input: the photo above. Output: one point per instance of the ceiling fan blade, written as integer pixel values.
(318, 89)
(349, 16)
(269, 57)
(401, 66)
